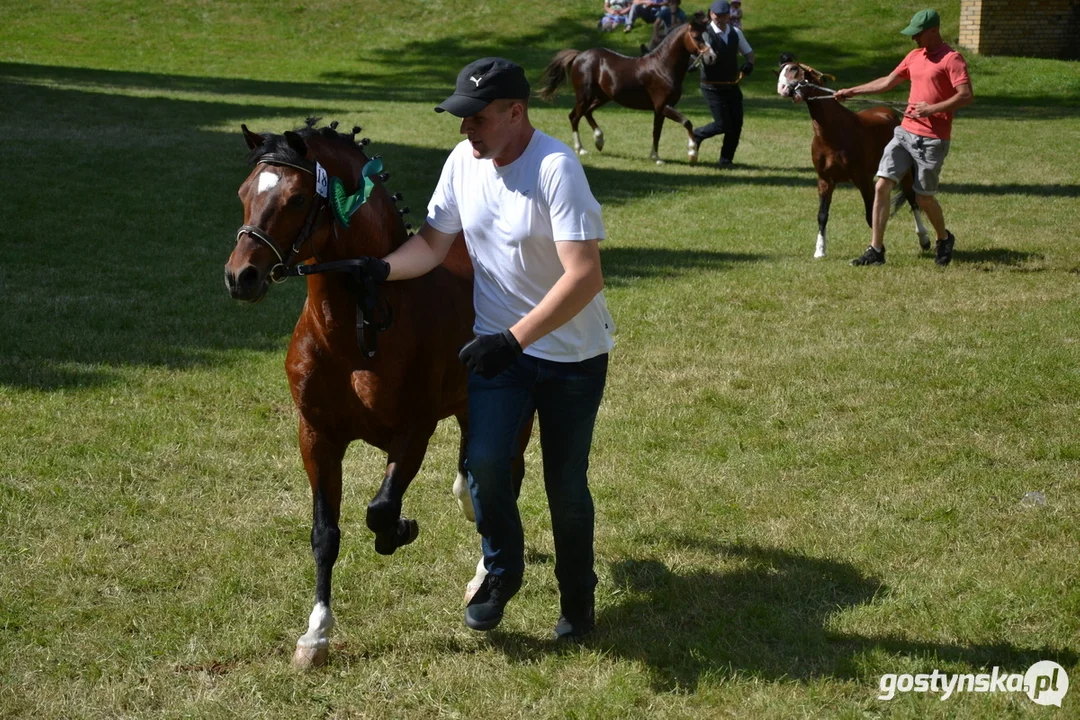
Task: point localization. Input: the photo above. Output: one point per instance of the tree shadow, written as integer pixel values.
(767, 618)
(1049, 190)
(627, 265)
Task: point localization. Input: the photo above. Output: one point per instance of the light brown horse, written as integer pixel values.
(653, 82)
(847, 147)
(391, 394)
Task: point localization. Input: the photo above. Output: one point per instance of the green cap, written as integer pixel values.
(923, 20)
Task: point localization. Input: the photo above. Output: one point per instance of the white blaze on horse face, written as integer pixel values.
(320, 623)
(267, 180)
(790, 74)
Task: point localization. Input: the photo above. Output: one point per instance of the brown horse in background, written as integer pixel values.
(653, 82)
(391, 398)
(847, 146)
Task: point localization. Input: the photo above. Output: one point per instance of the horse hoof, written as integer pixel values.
(693, 159)
(404, 533)
(924, 242)
(659, 162)
(582, 151)
(382, 515)
(408, 530)
(309, 658)
(819, 253)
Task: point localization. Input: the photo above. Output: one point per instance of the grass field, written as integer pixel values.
(807, 475)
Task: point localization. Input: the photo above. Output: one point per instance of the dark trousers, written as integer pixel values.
(725, 104)
(566, 397)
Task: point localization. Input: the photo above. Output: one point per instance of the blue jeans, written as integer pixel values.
(566, 397)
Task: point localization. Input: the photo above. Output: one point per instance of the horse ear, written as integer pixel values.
(296, 142)
(253, 140)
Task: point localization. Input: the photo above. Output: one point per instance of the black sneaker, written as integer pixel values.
(872, 256)
(575, 625)
(943, 252)
(485, 610)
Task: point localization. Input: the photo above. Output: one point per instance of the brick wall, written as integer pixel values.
(1032, 28)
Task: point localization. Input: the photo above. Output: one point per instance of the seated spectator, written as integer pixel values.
(736, 13)
(616, 13)
(645, 10)
(672, 15)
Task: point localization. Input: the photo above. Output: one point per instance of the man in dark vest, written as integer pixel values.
(720, 81)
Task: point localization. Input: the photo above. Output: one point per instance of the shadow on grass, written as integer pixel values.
(624, 265)
(767, 619)
(995, 256)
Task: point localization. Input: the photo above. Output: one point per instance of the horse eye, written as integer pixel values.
(297, 200)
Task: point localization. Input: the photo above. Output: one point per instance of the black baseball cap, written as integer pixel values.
(481, 82)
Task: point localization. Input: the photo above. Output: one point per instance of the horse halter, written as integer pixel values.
(279, 272)
(368, 307)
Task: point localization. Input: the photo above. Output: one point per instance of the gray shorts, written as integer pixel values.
(922, 155)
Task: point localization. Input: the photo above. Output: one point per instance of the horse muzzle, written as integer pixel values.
(248, 285)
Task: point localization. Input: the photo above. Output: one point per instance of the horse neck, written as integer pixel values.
(376, 228)
(673, 52)
(829, 116)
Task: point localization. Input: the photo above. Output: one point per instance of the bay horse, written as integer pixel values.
(847, 146)
(653, 82)
(346, 387)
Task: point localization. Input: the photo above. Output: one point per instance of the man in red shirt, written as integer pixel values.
(939, 86)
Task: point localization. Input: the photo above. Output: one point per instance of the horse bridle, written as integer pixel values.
(318, 203)
(367, 301)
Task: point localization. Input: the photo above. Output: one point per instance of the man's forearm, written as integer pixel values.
(567, 297)
(414, 258)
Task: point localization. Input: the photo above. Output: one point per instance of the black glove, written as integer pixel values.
(489, 355)
(374, 268)
(747, 68)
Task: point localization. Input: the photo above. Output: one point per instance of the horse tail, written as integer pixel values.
(556, 72)
(899, 197)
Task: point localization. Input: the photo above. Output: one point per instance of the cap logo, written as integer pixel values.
(476, 80)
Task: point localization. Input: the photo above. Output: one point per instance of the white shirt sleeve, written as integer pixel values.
(443, 214)
(575, 213)
(744, 47)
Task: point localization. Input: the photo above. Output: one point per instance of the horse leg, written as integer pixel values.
(825, 191)
(461, 482)
(657, 128)
(678, 117)
(575, 119)
(517, 468)
(407, 451)
(597, 133)
(913, 203)
(322, 461)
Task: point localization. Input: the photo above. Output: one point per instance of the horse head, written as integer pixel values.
(794, 77)
(693, 38)
(304, 185)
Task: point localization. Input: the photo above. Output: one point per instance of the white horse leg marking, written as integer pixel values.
(267, 180)
(312, 647)
(577, 145)
(924, 238)
(598, 138)
(478, 579)
(464, 497)
(819, 251)
(692, 150)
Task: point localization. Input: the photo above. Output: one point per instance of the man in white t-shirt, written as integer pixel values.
(543, 331)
